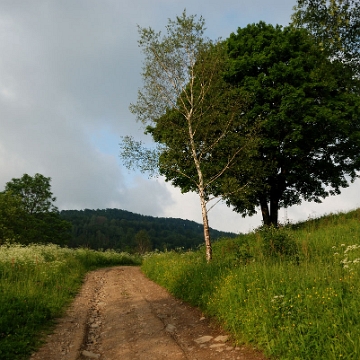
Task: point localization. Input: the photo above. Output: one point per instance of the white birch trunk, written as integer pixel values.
(208, 248)
(202, 194)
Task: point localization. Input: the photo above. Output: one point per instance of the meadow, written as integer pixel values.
(37, 282)
(292, 292)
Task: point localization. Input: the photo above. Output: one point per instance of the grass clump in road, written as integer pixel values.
(36, 283)
(292, 292)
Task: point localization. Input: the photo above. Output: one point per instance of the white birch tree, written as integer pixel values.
(181, 105)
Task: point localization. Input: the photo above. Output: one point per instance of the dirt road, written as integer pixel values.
(121, 315)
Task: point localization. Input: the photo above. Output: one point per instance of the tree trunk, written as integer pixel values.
(276, 192)
(265, 211)
(206, 228)
(274, 211)
(269, 217)
(201, 188)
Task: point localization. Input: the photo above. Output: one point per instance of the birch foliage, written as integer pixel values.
(182, 105)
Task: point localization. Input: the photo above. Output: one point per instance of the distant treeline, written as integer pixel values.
(126, 231)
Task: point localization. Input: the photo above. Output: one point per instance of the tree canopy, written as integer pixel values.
(221, 139)
(28, 213)
(335, 25)
(34, 192)
(310, 142)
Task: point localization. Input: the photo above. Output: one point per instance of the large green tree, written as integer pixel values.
(182, 105)
(29, 214)
(310, 145)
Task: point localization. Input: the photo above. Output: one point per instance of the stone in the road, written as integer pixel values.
(203, 339)
(170, 328)
(90, 354)
(222, 338)
(215, 346)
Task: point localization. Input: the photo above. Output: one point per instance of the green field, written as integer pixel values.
(36, 284)
(293, 292)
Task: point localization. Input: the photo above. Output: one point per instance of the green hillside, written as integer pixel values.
(292, 292)
(124, 230)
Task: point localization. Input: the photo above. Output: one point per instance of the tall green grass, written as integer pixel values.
(292, 292)
(36, 284)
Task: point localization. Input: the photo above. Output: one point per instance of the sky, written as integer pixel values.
(69, 70)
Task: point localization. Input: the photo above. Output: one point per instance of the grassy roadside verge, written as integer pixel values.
(36, 284)
(291, 292)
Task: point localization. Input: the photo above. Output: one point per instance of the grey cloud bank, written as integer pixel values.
(68, 72)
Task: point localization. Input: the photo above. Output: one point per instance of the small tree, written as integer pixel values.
(33, 216)
(142, 242)
(34, 193)
(182, 104)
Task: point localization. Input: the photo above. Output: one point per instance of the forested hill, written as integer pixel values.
(126, 231)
